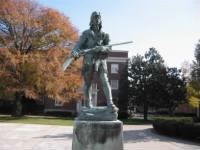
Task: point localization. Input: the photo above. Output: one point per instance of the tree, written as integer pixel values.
(196, 64)
(137, 80)
(156, 71)
(175, 87)
(193, 95)
(34, 41)
(186, 69)
(26, 26)
(145, 74)
(193, 89)
(197, 53)
(151, 83)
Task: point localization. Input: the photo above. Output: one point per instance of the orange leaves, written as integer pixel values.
(26, 26)
(59, 22)
(62, 85)
(40, 73)
(33, 41)
(17, 12)
(59, 28)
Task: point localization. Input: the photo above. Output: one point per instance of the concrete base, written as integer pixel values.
(97, 135)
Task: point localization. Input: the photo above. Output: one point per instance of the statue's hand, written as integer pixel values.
(75, 54)
(102, 49)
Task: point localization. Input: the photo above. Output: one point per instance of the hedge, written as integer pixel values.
(177, 126)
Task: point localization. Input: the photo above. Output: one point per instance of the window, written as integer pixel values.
(114, 84)
(114, 68)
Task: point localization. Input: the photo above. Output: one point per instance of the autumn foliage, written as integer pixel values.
(34, 42)
(26, 26)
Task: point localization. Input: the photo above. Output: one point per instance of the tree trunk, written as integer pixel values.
(18, 106)
(146, 106)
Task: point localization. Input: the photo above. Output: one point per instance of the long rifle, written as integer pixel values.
(83, 52)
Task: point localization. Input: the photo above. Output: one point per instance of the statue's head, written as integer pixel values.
(95, 21)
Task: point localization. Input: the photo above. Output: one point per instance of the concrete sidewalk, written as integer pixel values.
(48, 137)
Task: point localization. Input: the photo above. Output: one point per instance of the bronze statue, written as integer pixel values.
(94, 61)
(94, 46)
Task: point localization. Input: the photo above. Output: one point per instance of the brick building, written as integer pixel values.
(116, 63)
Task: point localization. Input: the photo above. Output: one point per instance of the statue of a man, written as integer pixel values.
(94, 61)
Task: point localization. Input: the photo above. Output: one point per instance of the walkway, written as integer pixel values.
(48, 137)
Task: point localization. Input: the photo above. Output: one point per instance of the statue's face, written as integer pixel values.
(96, 21)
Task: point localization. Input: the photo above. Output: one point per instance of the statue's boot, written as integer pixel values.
(89, 104)
(112, 106)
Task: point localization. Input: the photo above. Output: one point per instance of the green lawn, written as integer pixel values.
(59, 120)
(136, 121)
(38, 120)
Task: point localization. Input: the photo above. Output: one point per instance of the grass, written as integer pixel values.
(136, 121)
(38, 120)
(60, 120)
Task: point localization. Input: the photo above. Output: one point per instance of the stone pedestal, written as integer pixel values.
(97, 135)
(98, 113)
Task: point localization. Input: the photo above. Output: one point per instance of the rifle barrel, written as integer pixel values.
(71, 59)
(116, 44)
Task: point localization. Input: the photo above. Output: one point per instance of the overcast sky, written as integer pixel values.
(171, 26)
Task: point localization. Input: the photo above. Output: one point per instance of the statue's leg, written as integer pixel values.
(106, 87)
(87, 88)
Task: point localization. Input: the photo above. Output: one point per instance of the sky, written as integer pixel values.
(172, 27)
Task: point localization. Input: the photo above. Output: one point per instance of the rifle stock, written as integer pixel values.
(68, 62)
